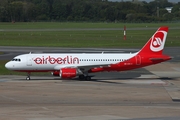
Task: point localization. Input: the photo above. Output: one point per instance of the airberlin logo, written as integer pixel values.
(158, 40)
(58, 60)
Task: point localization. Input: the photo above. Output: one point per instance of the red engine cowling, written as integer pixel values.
(66, 73)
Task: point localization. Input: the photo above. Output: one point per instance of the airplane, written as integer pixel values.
(71, 65)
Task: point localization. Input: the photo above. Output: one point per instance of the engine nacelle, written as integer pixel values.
(66, 73)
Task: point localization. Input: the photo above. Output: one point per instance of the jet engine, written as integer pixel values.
(66, 73)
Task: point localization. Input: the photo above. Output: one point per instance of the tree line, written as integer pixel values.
(87, 10)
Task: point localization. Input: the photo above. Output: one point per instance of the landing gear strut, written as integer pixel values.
(28, 76)
(83, 77)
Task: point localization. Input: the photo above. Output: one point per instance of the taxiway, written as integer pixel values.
(148, 93)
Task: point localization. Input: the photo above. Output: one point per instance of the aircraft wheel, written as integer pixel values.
(81, 77)
(88, 78)
(27, 78)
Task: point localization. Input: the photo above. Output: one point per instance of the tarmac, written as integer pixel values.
(150, 93)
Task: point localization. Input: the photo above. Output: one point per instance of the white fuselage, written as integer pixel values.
(51, 62)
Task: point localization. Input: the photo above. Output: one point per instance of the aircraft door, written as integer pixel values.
(29, 60)
(138, 60)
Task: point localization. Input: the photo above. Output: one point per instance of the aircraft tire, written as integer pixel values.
(81, 77)
(88, 78)
(27, 78)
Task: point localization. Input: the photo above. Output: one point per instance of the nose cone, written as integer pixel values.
(8, 65)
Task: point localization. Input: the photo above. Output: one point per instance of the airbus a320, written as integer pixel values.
(71, 65)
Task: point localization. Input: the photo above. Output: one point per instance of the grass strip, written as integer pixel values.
(93, 38)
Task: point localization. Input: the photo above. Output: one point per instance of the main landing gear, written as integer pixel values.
(83, 77)
(28, 76)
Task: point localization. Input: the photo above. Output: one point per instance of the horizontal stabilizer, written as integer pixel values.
(159, 59)
(156, 59)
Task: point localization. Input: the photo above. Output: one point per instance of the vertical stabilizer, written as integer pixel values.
(156, 43)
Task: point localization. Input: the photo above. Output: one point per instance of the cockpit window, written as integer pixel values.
(16, 59)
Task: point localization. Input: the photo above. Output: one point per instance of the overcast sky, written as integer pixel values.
(147, 0)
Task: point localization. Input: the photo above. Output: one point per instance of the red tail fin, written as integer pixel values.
(156, 43)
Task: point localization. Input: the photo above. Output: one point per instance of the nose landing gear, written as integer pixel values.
(28, 76)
